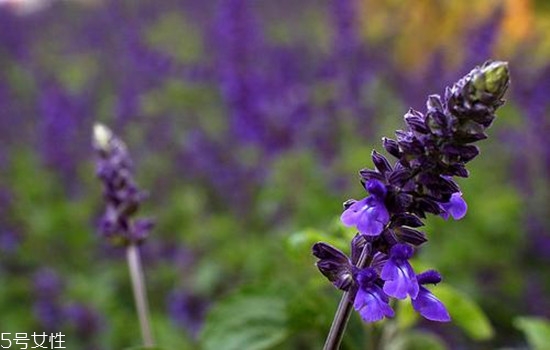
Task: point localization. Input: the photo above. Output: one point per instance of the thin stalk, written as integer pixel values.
(341, 317)
(140, 294)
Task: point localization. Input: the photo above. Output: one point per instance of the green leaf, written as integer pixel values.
(536, 329)
(465, 313)
(246, 322)
(416, 340)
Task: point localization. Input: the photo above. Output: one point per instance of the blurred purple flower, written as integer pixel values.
(85, 320)
(122, 195)
(47, 306)
(187, 310)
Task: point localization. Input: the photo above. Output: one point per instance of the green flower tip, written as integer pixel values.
(491, 80)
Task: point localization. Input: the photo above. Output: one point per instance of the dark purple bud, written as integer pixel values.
(334, 265)
(357, 245)
(399, 176)
(389, 238)
(445, 186)
(380, 162)
(428, 205)
(378, 261)
(415, 121)
(438, 123)
(459, 170)
(411, 236)
(368, 174)
(429, 277)
(409, 143)
(406, 219)
(470, 131)
(391, 146)
(468, 152)
(401, 201)
(340, 275)
(323, 251)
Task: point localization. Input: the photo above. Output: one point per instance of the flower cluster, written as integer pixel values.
(122, 196)
(432, 150)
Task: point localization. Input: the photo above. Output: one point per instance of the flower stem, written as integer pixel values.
(140, 294)
(341, 317)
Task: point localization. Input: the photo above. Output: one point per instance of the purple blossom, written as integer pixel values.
(47, 307)
(85, 320)
(370, 301)
(455, 207)
(398, 273)
(187, 310)
(425, 303)
(369, 214)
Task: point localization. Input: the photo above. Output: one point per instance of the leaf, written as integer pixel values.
(465, 313)
(536, 329)
(416, 340)
(246, 322)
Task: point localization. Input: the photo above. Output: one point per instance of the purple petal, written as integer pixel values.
(456, 207)
(427, 305)
(351, 216)
(399, 274)
(373, 220)
(372, 305)
(400, 280)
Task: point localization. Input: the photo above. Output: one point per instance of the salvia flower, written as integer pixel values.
(369, 214)
(122, 196)
(371, 302)
(398, 273)
(430, 152)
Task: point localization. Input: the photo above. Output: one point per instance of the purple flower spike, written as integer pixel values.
(455, 207)
(370, 301)
(426, 304)
(369, 214)
(398, 273)
(430, 152)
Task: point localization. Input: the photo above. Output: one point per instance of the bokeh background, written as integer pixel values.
(247, 121)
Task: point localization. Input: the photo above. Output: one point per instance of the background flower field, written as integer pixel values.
(247, 122)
